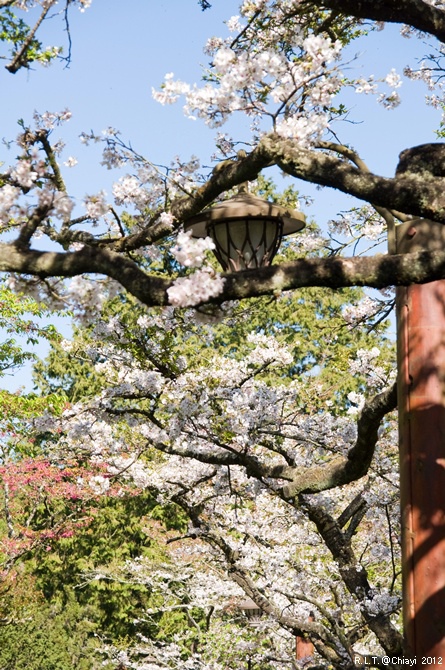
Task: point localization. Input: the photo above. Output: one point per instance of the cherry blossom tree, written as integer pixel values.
(288, 482)
(222, 436)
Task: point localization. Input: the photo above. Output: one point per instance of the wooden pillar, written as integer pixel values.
(421, 401)
(303, 645)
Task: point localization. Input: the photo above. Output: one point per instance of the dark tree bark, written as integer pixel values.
(415, 13)
(151, 290)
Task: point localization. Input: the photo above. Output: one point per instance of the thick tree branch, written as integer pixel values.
(341, 470)
(416, 194)
(88, 260)
(353, 513)
(224, 177)
(31, 226)
(411, 193)
(375, 272)
(415, 13)
(344, 470)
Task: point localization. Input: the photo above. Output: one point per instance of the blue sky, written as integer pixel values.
(119, 54)
(117, 57)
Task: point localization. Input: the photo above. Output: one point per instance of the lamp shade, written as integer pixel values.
(246, 230)
(251, 609)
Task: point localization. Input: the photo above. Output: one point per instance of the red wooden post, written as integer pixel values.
(421, 400)
(303, 645)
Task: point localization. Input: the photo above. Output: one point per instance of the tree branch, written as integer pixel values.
(345, 470)
(20, 59)
(415, 13)
(241, 576)
(386, 214)
(411, 193)
(151, 290)
(341, 470)
(353, 575)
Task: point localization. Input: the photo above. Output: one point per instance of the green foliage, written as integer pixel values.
(82, 566)
(266, 188)
(69, 373)
(35, 635)
(14, 318)
(24, 47)
(14, 30)
(17, 412)
(22, 321)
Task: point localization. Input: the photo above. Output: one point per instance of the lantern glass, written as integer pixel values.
(246, 230)
(243, 243)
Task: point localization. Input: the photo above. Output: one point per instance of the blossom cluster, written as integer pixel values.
(28, 185)
(363, 311)
(196, 288)
(12, 208)
(293, 87)
(191, 252)
(365, 362)
(204, 283)
(247, 80)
